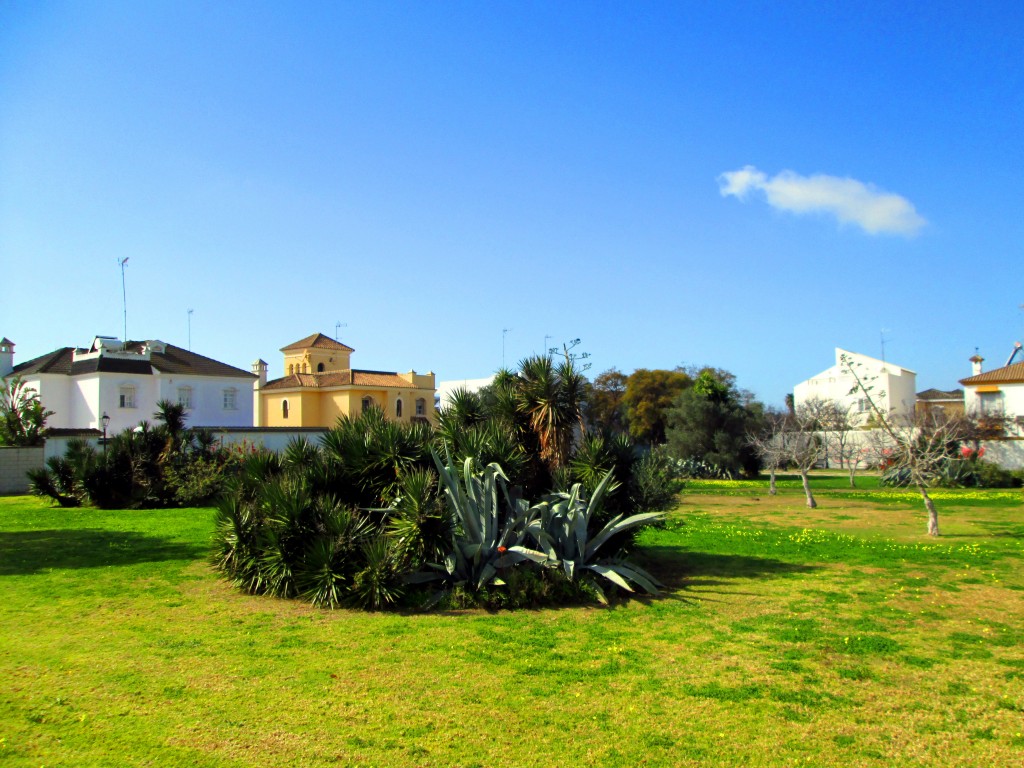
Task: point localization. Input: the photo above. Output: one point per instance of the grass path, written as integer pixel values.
(833, 637)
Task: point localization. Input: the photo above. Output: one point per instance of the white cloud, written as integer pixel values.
(850, 201)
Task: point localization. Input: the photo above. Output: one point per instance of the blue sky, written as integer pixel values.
(746, 185)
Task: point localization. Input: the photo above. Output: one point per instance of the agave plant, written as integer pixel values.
(561, 527)
(486, 540)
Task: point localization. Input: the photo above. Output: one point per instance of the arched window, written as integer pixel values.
(367, 403)
(319, 367)
(291, 369)
(398, 408)
(284, 409)
(421, 406)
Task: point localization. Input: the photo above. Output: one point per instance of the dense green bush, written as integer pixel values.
(961, 473)
(450, 537)
(373, 516)
(150, 466)
(991, 475)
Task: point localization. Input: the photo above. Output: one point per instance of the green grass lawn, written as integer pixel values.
(840, 636)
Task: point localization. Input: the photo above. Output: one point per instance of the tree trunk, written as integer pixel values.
(807, 489)
(933, 515)
(852, 466)
(771, 482)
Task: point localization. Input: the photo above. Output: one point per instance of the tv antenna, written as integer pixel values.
(337, 329)
(881, 336)
(190, 330)
(504, 332)
(124, 298)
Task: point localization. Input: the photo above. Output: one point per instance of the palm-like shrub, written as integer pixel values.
(278, 538)
(149, 466)
(366, 457)
(420, 524)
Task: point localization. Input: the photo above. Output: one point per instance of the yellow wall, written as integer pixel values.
(306, 360)
(303, 408)
(322, 408)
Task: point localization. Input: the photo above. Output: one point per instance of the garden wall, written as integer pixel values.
(272, 438)
(14, 463)
(1009, 453)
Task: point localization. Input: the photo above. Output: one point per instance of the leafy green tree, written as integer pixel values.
(711, 421)
(649, 396)
(22, 416)
(606, 407)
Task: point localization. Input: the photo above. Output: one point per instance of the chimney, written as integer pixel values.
(259, 370)
(6, 357)
(976, 362)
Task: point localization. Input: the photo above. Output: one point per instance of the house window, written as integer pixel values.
(126, 397)
(185, 397)
(398, 408)
(863, 406)
(990, 403)
(367, 404)
(421, 407)
(291, 369)
(319, 367)
(229, 399)
(284, 409)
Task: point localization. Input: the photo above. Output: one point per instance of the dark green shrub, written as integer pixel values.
(991, 475)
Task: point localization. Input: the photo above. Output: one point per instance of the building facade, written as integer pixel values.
(320, 386)
(998, 393)
(893, 388)
(126, 380)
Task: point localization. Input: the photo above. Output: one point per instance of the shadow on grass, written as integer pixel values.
(677, 568)
(27, 552)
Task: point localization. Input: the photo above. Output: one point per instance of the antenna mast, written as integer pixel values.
(504, 332)
(124, 299)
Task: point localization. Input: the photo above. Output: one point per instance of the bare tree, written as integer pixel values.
(842, 438)
(771, 444)
(920, 446)
(805, 447)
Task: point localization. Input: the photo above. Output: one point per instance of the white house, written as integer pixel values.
(445, 389)
(126, 380)
(893, 388)
(999, 392)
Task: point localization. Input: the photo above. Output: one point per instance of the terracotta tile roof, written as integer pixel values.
(339, 379)
(378, 379)
(941, 394)
(317, 341)
(172, 360)
(1010, 374)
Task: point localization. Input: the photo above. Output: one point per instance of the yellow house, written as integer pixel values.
(320, 385)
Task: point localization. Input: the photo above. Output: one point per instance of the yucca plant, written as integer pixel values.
(561, 527)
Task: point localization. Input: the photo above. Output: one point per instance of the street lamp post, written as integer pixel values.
(104, 420)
